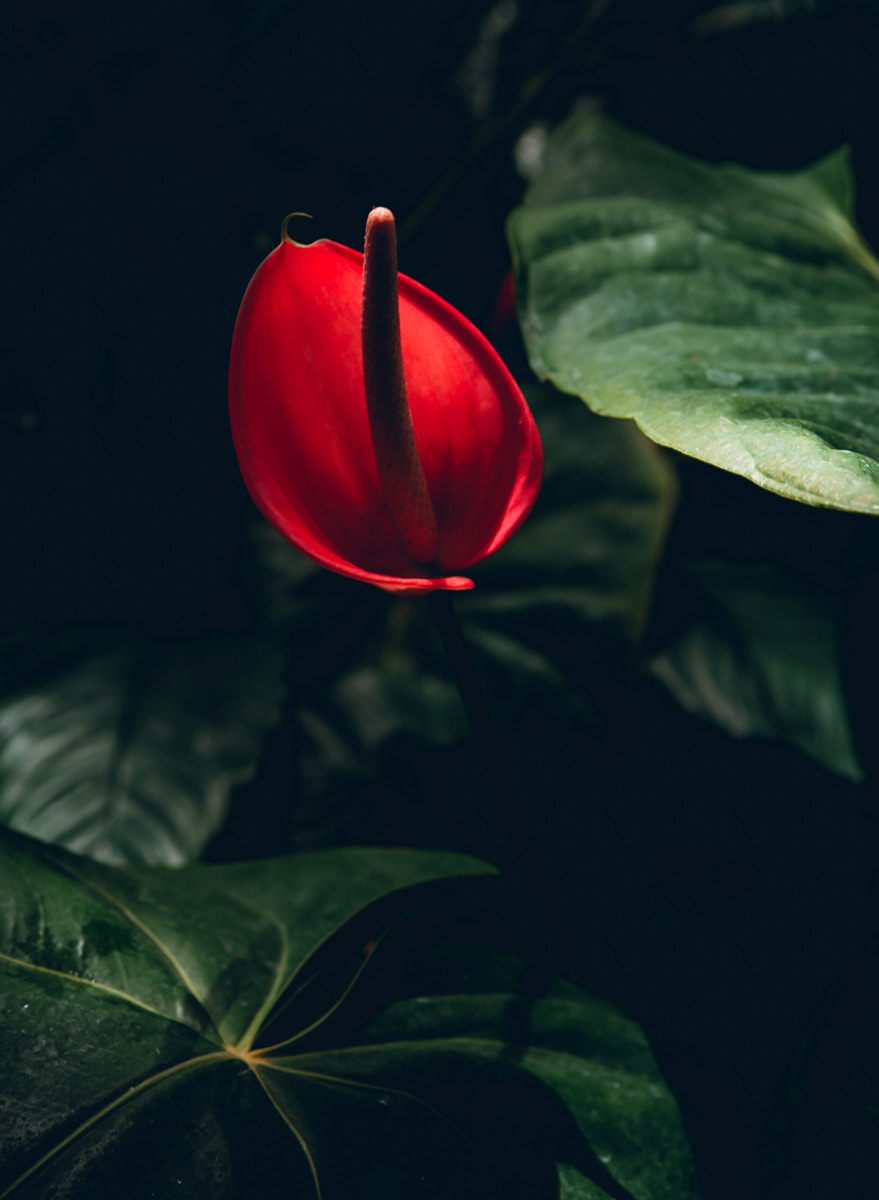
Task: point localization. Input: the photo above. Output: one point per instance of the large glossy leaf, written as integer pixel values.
(734, 314)
(761, 658)
(163, 1034)
(127, 748)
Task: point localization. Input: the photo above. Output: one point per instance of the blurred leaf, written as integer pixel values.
(763, 660)
(732, 313)
(730, 18)
(325, 616)
(369, 705)
(561, 606)
(159, 1037)
(592, 544)
(127, 748)
(344, 733)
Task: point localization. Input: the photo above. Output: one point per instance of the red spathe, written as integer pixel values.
(302, 434)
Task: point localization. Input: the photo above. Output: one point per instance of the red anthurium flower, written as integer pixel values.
(376, 428)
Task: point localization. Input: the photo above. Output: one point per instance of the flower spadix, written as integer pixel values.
(375, 427)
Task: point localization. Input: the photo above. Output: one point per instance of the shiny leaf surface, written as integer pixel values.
(163, 1033)
(732, 313)
(130, 996)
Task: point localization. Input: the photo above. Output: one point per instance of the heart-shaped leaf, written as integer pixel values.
(734, 314)
(126, 748)
(183, 1033)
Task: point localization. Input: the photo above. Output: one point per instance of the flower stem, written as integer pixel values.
(524, 864)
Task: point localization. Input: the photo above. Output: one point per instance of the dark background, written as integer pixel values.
(724, 892)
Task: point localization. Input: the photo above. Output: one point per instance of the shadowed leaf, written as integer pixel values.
(762, 659)
(127, 749)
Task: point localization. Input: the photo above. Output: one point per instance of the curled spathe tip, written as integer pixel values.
(285, 236)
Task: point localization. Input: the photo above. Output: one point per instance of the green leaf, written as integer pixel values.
(184, 1033)
(762, 659)
(617, 1111)
(732, 313)
(127, 748)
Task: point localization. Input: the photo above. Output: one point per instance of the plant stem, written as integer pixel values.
(469, 686)
(523, 863)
